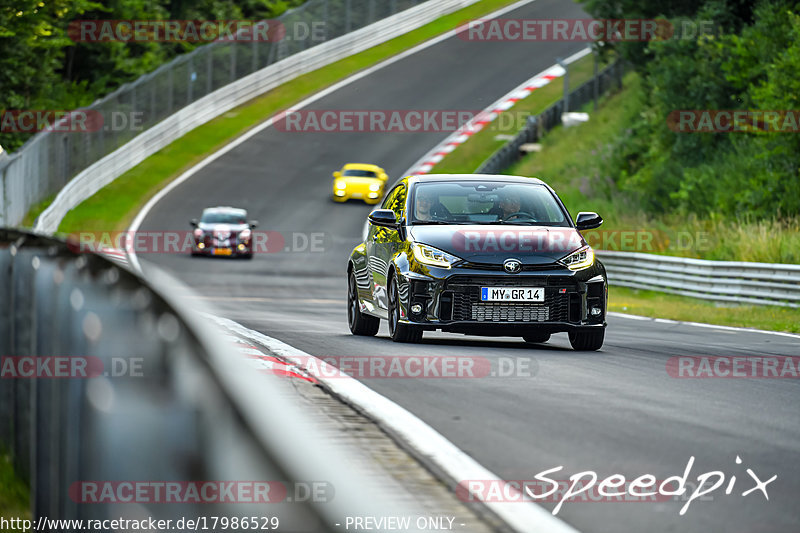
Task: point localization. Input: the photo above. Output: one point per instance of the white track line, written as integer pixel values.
(134, 261)
(522, 516)
(703, 325)
(424, 439)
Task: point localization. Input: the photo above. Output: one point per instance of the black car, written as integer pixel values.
(223, 231)
(479, 255)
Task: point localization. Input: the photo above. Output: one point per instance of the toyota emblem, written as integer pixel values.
(512, 266)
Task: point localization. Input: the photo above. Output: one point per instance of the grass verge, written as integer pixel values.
(676, 307)
(115, 206)
(572, 161)
(469, 155)
(14, 494)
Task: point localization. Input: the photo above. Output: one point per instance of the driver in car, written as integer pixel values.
(428, 207)
(510, 203)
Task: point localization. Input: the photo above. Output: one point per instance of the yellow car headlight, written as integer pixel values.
(374, 187)
(580, 259)
(340, 185)
(428, 255)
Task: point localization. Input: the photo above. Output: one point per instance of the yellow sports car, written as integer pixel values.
(359, 181)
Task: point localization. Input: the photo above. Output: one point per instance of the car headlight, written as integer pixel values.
(198, 233)
(340, 185)
(245, 234)
(374, 187)
(428, 255)
(578, 260)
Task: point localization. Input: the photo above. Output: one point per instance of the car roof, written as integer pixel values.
(361, 166)
(423, 178)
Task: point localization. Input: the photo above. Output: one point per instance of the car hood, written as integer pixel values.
(493, 244)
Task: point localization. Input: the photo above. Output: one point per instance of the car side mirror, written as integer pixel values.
(588, 220)
(253, 223)
(337, 174)
(193, 222)
(384, 217)
(384, 176)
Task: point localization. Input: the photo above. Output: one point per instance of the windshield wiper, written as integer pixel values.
(519, 222)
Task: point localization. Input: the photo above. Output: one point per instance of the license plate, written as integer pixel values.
(357, 195)
(512, 294)
(222, 251)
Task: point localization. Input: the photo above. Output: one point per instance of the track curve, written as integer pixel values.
(617, 411)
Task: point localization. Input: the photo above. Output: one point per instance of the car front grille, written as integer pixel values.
(511, 281)
(500, 312)
(467, 306)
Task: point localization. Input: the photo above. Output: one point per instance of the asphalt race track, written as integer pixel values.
(617, 411)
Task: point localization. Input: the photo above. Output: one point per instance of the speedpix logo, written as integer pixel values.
(587, 486)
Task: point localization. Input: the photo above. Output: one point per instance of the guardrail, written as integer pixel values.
(193, 409)
(189, 91)
(721, 281)
(537, 125)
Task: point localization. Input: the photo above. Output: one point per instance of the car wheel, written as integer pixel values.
(360, 324)
(587, 340)
(536, 337)
(400, 332)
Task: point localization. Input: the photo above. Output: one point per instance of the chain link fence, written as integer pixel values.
(42, 166)
(536, 126)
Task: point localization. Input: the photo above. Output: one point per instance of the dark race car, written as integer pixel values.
(223, 231)
(480, 255)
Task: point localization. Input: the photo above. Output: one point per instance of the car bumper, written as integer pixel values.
(450, 300)
(369, 197)
(222, 251)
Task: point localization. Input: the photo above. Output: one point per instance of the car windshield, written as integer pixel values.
(486, 202)
(223, 218)
(360, 173)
